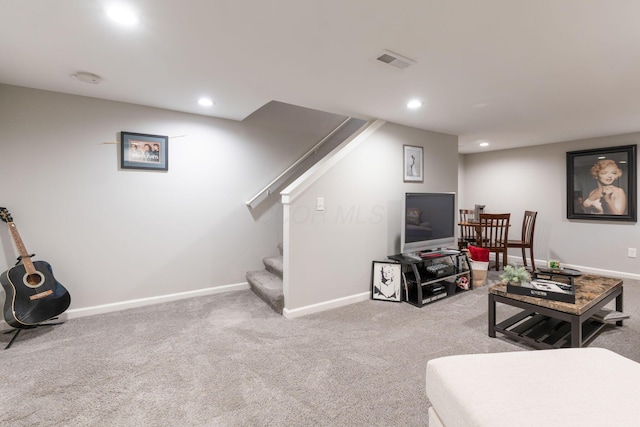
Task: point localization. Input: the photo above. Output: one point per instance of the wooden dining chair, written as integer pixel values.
(467, 231)
(526, 240)
(495, 234)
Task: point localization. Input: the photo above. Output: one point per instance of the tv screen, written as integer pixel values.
(429, 221)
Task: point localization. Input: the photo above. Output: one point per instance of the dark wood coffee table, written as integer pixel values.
(544, 323)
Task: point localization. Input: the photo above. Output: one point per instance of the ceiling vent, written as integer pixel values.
(394, 59)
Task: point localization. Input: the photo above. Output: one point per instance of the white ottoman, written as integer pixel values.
(567, 387)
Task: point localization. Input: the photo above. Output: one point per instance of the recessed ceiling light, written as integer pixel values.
(484, 144)
(205, 102)
(414, 103)
(122, 14)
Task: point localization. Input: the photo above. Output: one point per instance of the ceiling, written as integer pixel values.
(511, 72)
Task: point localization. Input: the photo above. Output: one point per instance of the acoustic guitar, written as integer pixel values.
(33, 295)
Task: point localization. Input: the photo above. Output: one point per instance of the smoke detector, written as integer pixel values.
(87, 78)
(394, 59)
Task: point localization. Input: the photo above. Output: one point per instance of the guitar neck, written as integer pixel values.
(22, 250)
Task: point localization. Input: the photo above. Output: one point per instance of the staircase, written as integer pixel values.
(267, 283)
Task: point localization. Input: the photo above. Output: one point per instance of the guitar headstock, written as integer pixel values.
(5, 215)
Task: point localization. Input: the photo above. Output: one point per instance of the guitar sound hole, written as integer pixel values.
(33, 280)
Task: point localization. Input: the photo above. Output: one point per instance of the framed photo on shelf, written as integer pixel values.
(144, 151)
(413, 164)
(386, 281)
(601, 184)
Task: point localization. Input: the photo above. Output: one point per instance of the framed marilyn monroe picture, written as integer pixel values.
(386, 279)
(601, 184)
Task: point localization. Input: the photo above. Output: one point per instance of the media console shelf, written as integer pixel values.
(434, 276)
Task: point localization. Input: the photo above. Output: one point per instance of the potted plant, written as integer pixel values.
(515, 275)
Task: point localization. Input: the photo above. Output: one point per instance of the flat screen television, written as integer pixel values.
(428, 222)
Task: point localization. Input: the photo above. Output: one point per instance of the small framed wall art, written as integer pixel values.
(413, 165)
(386, 280)
(601, 184)
(144, 151)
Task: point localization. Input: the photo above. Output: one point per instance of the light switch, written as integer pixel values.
(320, 204)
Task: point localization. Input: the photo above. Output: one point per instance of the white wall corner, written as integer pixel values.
(285, 251)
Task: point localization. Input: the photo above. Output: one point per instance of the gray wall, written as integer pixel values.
(330, 252)
(120, 235)
(534, 178)
(117, 238)
(114, 236)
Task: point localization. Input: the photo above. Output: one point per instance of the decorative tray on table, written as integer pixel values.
(547, 286)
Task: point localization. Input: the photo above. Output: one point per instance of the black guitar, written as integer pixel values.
(33, 295)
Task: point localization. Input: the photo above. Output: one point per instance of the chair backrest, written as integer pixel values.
(495, 230)
(528, 226)
(467, 232)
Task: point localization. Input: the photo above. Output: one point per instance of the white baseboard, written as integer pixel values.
(141, 302)
(327, 305)
(601, 272)
(117, 306)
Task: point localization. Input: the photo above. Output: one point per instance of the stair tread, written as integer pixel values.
(275, 260)
(266, 279)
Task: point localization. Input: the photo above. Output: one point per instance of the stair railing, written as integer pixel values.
(266, 191)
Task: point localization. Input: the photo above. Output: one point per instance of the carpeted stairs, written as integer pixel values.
(267, 283)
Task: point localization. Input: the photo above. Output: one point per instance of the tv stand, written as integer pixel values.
(414, 257)
(431, 276)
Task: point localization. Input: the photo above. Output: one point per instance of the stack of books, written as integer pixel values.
(606, 315)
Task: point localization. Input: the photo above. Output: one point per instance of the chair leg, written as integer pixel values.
(524, 257)
(533, 263)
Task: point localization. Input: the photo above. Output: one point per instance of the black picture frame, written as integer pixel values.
(413, 163)
(134, 153)
(588, 197)
(386, 281)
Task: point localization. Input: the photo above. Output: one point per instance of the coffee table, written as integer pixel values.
(546, 324)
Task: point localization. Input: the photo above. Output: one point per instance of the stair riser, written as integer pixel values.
(276, 305)
(273, 265)
(269, 291)
(274, 271)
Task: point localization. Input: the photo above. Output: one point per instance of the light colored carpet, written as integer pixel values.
(229, 360)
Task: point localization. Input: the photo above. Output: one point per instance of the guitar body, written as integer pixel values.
(32, 297)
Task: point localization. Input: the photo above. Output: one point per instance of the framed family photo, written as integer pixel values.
(413, 164)
(144, 151)
(601, 184)
(386, 280)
